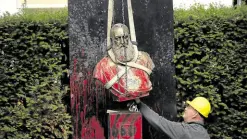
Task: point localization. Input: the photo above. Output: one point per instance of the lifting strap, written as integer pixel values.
(133, 39)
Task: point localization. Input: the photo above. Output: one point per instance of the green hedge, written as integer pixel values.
(211, 61)
(32, 65)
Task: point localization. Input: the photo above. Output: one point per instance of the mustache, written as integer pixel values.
(121, 46)
(124, 45)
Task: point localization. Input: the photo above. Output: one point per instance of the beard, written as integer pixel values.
(124, 53)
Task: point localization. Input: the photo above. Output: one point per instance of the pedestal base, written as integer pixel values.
(124, 124)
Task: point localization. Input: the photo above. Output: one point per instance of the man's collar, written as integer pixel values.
(196, 122)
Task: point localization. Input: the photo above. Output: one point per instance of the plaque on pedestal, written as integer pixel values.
(124, 124)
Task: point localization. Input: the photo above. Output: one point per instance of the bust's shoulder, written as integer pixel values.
(105, 61)
(143, 54)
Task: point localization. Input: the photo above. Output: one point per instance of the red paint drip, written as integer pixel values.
(92, 129)
(85, 85)
(82, 97)
(73, 96)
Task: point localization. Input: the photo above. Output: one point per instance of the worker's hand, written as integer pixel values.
(132, 107)
(137, 100)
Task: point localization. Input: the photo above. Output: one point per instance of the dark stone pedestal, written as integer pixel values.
(124, 125)
(87, 34)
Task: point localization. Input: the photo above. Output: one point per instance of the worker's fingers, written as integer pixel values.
(133, 108)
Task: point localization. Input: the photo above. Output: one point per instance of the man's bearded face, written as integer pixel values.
(122, 47)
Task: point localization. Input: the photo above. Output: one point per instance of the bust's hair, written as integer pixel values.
(118, 25)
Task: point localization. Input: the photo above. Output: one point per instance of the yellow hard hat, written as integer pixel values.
(201, 105)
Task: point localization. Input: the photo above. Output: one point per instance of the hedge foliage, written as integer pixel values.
(32, 65)
(211, 61)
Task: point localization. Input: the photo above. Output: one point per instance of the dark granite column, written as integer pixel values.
(87, 33)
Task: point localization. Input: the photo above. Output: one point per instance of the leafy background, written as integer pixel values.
(210, 60)
(33, 64)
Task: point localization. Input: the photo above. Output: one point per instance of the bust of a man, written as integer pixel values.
(125, 70)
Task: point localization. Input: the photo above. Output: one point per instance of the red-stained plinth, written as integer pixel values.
(124, 125)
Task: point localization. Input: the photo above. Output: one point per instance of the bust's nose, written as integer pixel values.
(122, 40)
